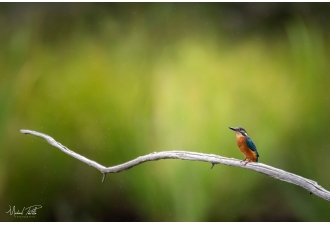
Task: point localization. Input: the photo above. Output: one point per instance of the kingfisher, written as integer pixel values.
(245, 145)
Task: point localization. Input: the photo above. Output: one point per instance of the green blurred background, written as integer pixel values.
(114, 81)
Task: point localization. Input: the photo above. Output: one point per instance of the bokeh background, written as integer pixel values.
(114, 81)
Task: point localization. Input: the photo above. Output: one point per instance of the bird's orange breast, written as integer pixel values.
(247, 152)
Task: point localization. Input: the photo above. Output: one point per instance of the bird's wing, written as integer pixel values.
(251, 145)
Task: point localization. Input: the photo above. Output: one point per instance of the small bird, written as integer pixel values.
(246, 145)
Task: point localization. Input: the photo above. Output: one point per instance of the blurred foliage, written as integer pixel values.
(113, 81)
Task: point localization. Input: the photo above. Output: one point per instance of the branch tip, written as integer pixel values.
(103, 178)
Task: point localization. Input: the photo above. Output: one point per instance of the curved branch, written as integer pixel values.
(309, 185)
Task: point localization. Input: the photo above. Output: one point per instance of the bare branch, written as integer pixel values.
(309, 185)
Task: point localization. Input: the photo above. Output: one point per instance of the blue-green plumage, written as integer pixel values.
(251, 145)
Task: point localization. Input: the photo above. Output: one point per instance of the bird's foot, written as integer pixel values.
(248, 161)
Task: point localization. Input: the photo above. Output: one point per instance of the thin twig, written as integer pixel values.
(309, 185)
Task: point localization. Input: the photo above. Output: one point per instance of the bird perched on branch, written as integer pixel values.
(245, 145)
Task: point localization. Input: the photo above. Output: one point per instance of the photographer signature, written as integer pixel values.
(25, 212)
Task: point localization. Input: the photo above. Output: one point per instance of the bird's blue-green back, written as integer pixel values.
(251, 145)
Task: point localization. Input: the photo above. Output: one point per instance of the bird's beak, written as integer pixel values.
(232, 128)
